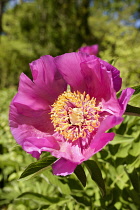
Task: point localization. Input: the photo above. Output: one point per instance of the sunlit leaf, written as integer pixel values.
(41, 199)
(123, 151)
(54, 180)
(120, 139)
(83, 200)
(38, 166)
(137, 89)
(96, 174)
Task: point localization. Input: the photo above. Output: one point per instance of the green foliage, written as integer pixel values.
(37, 28)
(38, 166)
(55, 27)
(80, 173)
(96, 174)
(13, 61)
(112, 25)
(133, 107)
(118, 162)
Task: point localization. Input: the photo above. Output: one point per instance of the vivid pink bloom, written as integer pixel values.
(91, 50)
(67, 108)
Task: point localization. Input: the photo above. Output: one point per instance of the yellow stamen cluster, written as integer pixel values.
(75, 114)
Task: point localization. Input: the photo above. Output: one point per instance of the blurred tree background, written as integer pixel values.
(32, 28)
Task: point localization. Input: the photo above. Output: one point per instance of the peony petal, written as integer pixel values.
(91, 50)
(97, 79)
(30, 96)
(106, 124)
(115, 73)
(36, 145)
(70, 151)
(117, 81)
(99, 144)
(100, 85)
(63, 167)
(101, 139)
(36, 123)
(29, 110)
(47, 77)
(124, 98)
(69, 66)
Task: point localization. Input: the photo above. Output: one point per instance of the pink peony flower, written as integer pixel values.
(67, 108)
(91, 50)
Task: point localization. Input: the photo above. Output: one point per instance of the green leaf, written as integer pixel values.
(74, 184)
(119, 139)
(133, 106)
(56, 181)
(136, 88)
(82, 199)
(96, 174)
(132, 110)
(80, 173)
(123, 151)
(41, 199)
(135, 149)
(113, 61)
(134, 178)
(38, 166)
(135, 197)
(43, 207)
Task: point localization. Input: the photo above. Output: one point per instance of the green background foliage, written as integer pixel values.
(35, 28)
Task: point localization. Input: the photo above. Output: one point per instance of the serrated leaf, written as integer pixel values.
(38, 166)
(96, 175)
(80, 173)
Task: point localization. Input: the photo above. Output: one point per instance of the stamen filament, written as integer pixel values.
(74, 115)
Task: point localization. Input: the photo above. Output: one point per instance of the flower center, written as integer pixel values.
(75, 115)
